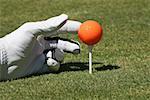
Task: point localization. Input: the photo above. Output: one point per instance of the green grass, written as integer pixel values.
(123, 72)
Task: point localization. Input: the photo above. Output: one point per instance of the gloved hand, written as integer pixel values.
(27, 50)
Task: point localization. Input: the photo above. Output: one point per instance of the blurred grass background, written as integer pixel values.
(121, 59)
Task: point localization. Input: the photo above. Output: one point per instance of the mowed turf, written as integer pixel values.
(121, 60)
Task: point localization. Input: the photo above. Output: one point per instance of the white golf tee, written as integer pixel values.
(90, 59)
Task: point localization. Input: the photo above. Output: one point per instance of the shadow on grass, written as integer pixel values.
(76, 66)
(107, 67)
(81, 66)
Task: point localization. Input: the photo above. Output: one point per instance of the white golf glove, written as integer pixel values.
(25, 51)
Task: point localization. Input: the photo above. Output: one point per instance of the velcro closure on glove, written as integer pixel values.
(3, 56)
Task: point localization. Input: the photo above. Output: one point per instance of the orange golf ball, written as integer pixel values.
(90, 32)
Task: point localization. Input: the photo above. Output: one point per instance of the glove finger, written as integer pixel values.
(50, 25)
(66, 45)
(56, 54)
(58, 21)
(52, 62)
(53, 65)
(70, 26)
